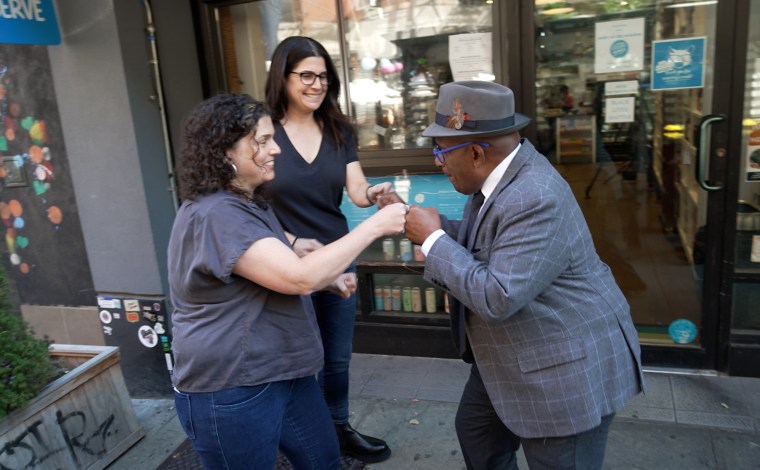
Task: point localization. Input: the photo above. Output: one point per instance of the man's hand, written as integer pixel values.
(387, 199)
(304, 246)
(421, 222)
(344, 285)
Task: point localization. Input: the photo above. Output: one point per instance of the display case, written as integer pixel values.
(390, 279)
(576, 139)
(398, 312)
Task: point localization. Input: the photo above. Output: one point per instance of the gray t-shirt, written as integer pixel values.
(227, 330)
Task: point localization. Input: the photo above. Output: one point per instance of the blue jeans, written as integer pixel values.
(243, 427)
(336, 317)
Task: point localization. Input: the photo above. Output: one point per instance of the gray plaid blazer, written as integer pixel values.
(550, 330)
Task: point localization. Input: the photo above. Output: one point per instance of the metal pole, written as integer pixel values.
(151, 30)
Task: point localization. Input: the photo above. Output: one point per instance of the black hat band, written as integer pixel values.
(483, 125)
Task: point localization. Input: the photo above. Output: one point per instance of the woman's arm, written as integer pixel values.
(359, 190)
(272, 264)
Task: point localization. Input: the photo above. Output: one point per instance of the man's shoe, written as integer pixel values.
(365, 448)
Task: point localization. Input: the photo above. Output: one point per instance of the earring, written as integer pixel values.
(234, 167)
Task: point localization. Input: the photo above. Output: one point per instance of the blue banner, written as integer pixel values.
(28, 22)
(678, 63)
(426, 190)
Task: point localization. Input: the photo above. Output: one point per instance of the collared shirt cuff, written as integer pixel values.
(428, 244)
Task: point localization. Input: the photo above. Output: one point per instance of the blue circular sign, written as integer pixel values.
(619, 48)
(683, 331)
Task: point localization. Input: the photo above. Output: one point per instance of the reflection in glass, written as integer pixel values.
(271, 14)
(746, 314)
(397, 54)
(629, 152)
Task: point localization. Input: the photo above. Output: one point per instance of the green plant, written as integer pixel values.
(25, 365)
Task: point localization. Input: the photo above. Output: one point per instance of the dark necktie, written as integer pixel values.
(477, 203)
(462, 344)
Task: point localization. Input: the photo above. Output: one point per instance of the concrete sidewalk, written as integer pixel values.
(688, 419)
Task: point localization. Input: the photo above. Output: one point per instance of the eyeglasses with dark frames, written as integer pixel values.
(308, 78)
(440, 153)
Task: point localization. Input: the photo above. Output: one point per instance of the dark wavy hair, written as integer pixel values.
(213, 127)
(287, 55)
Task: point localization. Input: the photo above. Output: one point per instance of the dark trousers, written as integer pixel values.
(487, 444)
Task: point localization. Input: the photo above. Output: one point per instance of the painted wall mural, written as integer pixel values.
(43, 239)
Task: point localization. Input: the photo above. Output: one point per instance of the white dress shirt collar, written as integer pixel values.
(493, 179)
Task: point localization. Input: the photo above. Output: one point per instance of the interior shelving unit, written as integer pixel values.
(376, 272)
(576, 139)
(692, 200)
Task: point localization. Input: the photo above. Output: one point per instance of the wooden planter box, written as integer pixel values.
(82, 420)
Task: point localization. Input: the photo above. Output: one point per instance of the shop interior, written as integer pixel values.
(634, 177)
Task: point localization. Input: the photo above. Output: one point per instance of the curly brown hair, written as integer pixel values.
(287, 55)
(212, 128)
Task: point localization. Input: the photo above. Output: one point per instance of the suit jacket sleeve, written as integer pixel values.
(521, 247)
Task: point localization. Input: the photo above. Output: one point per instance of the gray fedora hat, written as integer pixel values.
(475, 108)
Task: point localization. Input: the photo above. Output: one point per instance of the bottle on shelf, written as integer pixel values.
(431, 305)
(396, 298)
(416, 300)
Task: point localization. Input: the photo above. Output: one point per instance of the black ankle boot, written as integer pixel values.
(365, 448)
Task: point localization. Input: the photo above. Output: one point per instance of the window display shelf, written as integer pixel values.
(395, 292)
(576, 139)
(391, 287)
(440, 318)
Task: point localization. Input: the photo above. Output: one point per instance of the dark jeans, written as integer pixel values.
(243, 427)
(336, 317)
(487, 444)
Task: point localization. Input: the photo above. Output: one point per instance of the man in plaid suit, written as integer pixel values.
(554, 350)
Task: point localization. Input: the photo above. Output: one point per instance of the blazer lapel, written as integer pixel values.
(526, 152)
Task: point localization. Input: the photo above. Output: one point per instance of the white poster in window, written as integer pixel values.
(627, 87)
(619, 109)
(470, 57)
(619, 46)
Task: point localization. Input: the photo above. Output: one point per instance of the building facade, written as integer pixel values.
(648, 108)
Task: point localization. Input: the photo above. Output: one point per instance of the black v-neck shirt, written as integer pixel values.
(306, 197)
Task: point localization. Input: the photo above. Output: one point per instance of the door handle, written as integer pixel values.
(703, 149)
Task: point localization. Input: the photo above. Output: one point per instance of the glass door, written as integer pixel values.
(743, 311)
(626, 96)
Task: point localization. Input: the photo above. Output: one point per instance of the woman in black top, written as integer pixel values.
(318, 161)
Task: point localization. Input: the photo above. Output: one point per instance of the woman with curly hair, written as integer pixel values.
(246, 343)
(319, 160)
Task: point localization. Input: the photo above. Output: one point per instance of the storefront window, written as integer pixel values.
(621, 88)
(746, 314)
(394, 56)
(399, 53)
(247, 33)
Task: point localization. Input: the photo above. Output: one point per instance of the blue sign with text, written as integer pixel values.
(28, 22)
(678, 63)
(426, 190)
